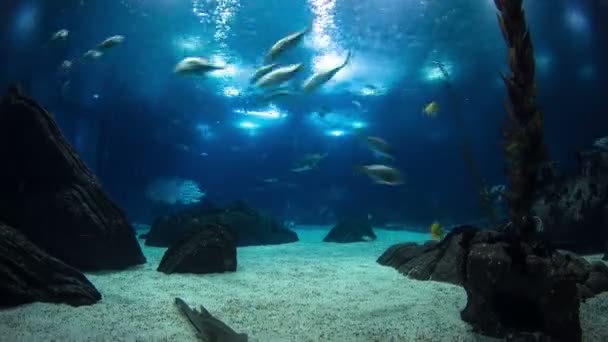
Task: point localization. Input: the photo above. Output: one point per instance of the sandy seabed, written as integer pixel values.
(305, 291)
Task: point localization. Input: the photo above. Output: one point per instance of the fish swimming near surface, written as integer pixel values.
(381, 174)
(261, 72)
(195, 66)
(92, 54)
(276, 94)
(320, 78)
(285, 44)
(111, 42)
(431, 109)
(209, 328)
(60, 35)
(279, 76)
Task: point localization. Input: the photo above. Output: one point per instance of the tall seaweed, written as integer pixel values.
(523, 135)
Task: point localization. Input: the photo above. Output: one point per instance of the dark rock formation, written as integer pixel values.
(351, 230)
(48, 193)
(206, 248)
(28, 274)
(574, 210)
(511, 286)
(249, 226)
(439, 261)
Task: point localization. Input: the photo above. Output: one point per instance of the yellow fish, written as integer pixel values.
(436, 231)
(431, 109)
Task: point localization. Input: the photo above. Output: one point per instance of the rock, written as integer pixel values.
(351, 230)
(49, 194)
(250, 227)
(204, 249)
(512, 288)
(28, 274)
(574, 210)
(439, 261)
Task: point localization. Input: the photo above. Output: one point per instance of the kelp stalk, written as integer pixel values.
(523, 135)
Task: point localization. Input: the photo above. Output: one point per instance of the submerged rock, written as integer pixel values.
(511, 286)
(49, 194)
(204, 249)
(28, 274)
(574, 210)
(250, 227)
(351, 230)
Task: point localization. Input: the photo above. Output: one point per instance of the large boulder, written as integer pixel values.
(207, 248)
(356, 229)
(574, 210)
(250, 227)
(512, 286)
(50, 195)
(29, 274)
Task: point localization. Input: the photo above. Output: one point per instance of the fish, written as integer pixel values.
(285, 44)
(262, 71)
(278, 76)
(381, 174)
(379, 146)
(308, 162)
(66, 65)
(270, 180)
(436, 231)
(324, 110)
(92, 54)
(209, 328)
(111, 42)
(320, 78)
(276, 94)
(60, 35)
(431, 109)
(195, 66)
(601, 143)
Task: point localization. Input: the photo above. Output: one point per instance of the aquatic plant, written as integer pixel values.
(523, 135)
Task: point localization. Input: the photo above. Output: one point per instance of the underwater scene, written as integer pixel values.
(304, 170)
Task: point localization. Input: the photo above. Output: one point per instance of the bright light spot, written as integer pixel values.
(358, 124)
(323, 23)
(228, 71)
(188, 44)
(96, 96)
(368, 92)
(336, 133)
(231, 91)
(248, 125)
(272, 113)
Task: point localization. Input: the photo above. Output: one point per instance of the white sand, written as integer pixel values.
(307, 291)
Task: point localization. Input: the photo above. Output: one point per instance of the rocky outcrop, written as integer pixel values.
(512, 287)
(574, 210)
(250, 227)
(439, 261)
(28, 274)
(207, 248)
(351, 230)
(49, 194)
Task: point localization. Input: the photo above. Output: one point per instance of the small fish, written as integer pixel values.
(430, 110)
(285, 44)
(270, 180)
(601, 143)
(261, 72)
(308, 162)
(357, 103)
(60, 35)
(320, 78)
(92, 54)
(111, 42)
(381, 174)
(278, 76)
(66, 65)
(195, 66)
(378, 145)
(436, 231)
(276, 94)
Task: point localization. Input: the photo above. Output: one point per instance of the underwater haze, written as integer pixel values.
(135, 122)
(320, 140)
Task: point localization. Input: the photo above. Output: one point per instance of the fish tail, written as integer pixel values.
(348, 56)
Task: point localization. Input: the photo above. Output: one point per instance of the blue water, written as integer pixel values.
(135, 122)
